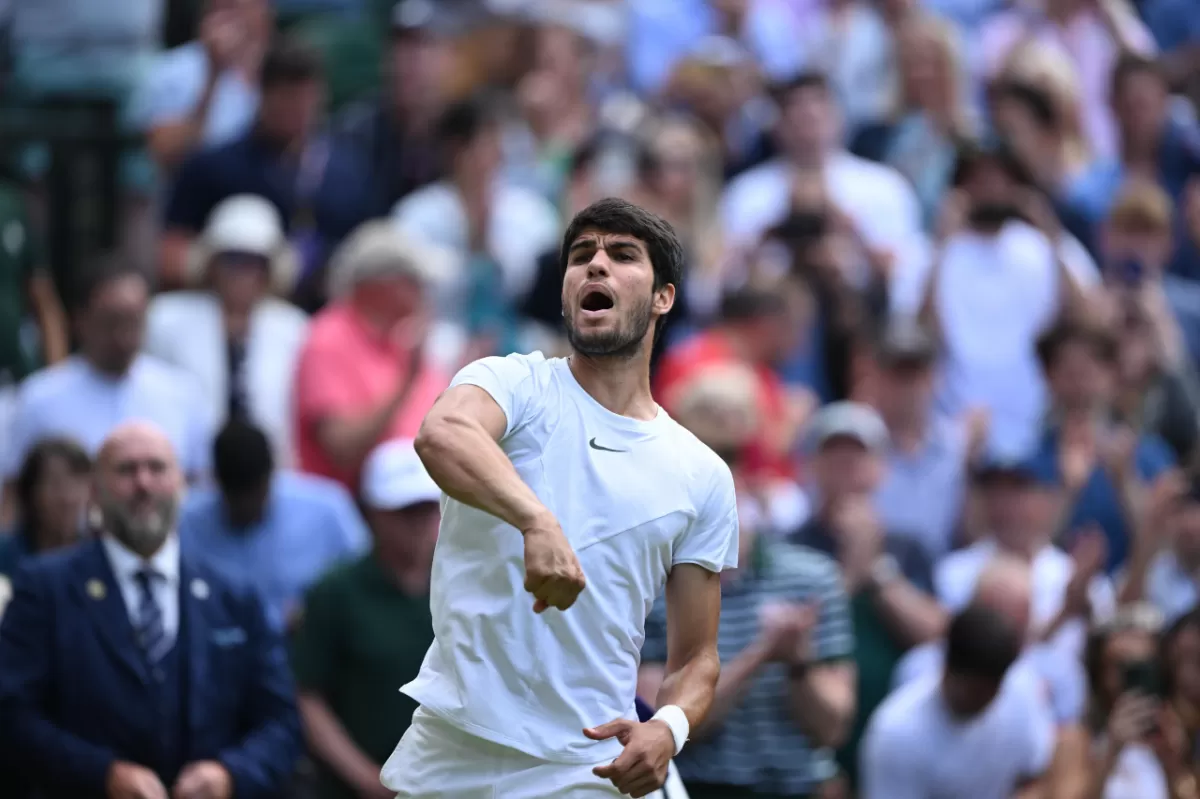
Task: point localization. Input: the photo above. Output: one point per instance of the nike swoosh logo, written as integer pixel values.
(594, 445)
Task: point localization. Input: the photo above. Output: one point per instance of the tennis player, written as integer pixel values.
(572, 499)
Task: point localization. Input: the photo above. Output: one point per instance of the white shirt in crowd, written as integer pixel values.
(187, 329)
(1137, 775)
(634, 499)
(915, 748)
(957, 575)
(125, 566)
(1171, 589)
(1008, 282)
(73, 399)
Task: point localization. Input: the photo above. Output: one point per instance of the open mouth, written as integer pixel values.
(595, 301)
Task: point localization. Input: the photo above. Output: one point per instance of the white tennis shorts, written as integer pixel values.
(436, 760)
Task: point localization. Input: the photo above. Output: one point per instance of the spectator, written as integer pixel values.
(363, 374)
(993, 270)
(51, 494)
(184, 684)
(274, 531)
(1019, 502)
(1186, 261)
(239, 342)
(928, 456)
(365, 630)
(958, 734)
(887, 576)
(109, 382)
(1165, 558)
(1179, 655)
(496, 230)
(1102, 468)
(205, 93)
(317, 186)
(787, 690)
(396, 132)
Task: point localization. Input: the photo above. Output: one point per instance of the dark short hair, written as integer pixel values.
(1036, 100)
(1068, 331)
(981, 643)
(33, 469)
(100, 272)
(1129, 65)
(614, 215)
(748, 304)
(289, 61)
(782, 90)
(972, 154)
(242, 459)
(462, 122)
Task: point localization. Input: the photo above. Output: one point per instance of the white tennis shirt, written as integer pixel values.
(633, 497)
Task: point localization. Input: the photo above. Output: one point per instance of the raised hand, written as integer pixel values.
(642, 768)
(552, 571)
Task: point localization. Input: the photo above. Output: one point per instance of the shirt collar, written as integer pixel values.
(126, 564)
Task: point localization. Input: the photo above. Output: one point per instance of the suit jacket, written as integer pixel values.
(75, 694)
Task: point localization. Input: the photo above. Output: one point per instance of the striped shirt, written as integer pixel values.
(760, 746)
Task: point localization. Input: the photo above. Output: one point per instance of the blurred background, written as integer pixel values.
(941, 304)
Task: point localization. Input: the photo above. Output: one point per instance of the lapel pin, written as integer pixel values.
(199, 589)
(96, 589)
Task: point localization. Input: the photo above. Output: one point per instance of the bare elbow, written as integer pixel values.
(437, 435)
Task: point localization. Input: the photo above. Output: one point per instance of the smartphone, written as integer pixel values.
(1142, 676)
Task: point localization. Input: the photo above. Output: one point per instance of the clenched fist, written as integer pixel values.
(552, 572)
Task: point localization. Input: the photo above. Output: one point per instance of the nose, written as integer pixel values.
(599, 266)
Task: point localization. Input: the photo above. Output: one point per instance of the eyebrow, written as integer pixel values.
(591, 244)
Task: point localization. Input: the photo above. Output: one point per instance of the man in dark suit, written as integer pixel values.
(129, 671)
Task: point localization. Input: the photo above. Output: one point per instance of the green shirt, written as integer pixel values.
(18, 260)
(359, 639)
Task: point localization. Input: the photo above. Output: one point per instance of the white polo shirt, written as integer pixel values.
(633, 497)
(915, 748)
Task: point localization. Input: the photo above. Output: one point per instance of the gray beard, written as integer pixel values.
(623, 342)
(141, 536)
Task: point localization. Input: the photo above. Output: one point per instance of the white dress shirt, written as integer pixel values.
(165, 562)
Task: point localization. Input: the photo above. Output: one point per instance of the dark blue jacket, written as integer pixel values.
(75, 693)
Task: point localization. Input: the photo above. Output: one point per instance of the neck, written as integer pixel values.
(622, 385)
(907, 431)
(807, 158)
(292, 146)
(111, 372)
(237, 322)
(144, 551)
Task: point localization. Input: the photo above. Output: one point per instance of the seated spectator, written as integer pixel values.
(928, 456)
(495, 229)
(205, 93)
(109, 381)
(786, 643)
(1101, 467)
(274, 531)
(964, 732)
(395, 132)
(363, 375)
(186, 685)
(887, 575)
(239, 342)
(365, 629)
(317, 186)
(1019, 504)
(51, 494)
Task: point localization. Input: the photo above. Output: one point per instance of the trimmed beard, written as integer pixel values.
(145, 535)
(623, 342)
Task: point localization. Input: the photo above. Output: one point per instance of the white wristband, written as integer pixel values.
(674, 717)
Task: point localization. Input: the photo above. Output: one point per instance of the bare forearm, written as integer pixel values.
(705, 694)
(468, 464)
(824, 708)
(172, 141)
(332, 744)
(347, 441)
(913, 616)
(51, 318)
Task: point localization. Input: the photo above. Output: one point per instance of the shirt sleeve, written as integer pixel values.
(887, 766)
(711, 540)
(654, 648)
(314, 642)
(509, 380)
(834, 634)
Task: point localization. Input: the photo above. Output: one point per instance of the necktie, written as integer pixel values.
(151, 634)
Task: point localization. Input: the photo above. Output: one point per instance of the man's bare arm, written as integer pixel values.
(330, 742)
(823, 701)
(458, 443)
(693, 665)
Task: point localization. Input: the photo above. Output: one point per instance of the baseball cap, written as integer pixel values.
(852, 420)
(394, 477)
(906, 342)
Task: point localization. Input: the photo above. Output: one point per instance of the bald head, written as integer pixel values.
(1006, 587)
(137, 486)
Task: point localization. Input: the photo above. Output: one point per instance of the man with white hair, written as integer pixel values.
(240, 342)
(363, 377)
(185, 689)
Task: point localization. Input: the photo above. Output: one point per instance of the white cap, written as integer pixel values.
(245, 223)
(394, 477)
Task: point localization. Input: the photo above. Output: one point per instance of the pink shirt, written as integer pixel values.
(347, 368)
(1088, 45)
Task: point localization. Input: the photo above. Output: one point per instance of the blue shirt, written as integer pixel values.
(310, 524)
(1099, 502)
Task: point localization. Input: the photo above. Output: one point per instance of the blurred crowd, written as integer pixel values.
(941, 316)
